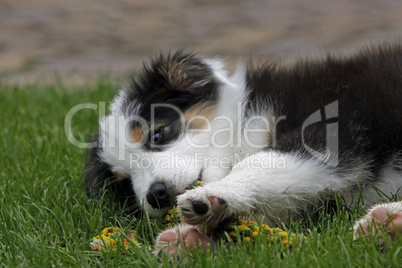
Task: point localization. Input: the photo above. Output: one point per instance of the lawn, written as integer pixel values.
(46, 219)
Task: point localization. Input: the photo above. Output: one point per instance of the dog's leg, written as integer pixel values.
(273, 183)
(175, 241)
(384, 219)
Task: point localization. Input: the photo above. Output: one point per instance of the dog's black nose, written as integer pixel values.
(158, 196)
(200, 207)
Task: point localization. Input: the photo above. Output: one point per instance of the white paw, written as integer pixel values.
(201, 207)
(383, 219)
(178, 241)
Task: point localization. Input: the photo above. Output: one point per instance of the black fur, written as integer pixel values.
(155, 86)
(368, 88)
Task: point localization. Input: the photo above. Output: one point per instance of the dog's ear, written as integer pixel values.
(99, 177)
(185, 73)
(100, 180)
(97, 174)
(179, 71)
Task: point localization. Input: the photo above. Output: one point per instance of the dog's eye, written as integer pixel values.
(157, 138)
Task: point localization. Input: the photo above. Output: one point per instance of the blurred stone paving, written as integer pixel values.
(81, 39)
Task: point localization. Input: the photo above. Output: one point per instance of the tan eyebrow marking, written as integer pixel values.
(159, 126)
(136, 134)
(120, 176)
(200, 110)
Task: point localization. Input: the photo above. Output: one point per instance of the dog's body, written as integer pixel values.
(271, 140)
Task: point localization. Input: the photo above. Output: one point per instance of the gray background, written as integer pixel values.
(80, 39)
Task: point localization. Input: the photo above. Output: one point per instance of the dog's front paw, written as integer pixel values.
(383, 219)
(178, 241)
(199, 207)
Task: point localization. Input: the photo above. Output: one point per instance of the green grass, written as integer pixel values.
(46, 219)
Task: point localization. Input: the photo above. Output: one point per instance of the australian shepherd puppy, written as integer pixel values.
(271, 140)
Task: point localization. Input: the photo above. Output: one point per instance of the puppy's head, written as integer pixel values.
(161, 132)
